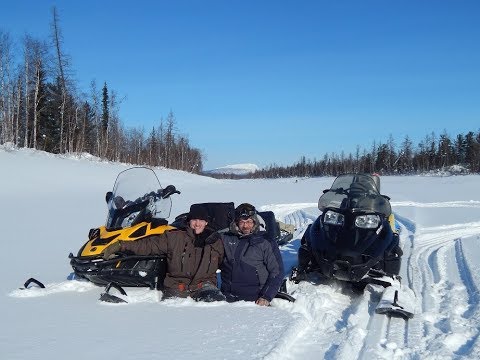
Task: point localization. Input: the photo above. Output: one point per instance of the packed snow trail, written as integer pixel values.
(442, 277)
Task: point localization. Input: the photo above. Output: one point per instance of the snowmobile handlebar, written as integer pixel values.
(168, 191)
(161, 193)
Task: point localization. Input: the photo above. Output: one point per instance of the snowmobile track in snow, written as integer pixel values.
(467, 279)
(436, 261)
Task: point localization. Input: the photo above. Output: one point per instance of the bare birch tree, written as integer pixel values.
(62, 66)
(38, 53)
(6, 89)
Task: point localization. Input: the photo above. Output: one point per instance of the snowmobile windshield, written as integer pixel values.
(355, 192)
(136, 197)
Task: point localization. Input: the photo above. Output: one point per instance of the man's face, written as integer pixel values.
(198, 225)
(246, 226)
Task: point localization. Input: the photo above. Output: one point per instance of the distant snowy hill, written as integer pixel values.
(238, 169)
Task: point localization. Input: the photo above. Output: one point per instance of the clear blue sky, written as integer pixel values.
(270, 81)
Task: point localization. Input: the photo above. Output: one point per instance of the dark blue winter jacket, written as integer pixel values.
(252, 267)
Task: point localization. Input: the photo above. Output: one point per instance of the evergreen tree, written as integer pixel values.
(105, 109)
(460, 149)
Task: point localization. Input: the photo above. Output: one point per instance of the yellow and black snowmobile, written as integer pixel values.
(137, 208)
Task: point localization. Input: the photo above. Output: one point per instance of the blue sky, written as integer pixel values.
(270, 81)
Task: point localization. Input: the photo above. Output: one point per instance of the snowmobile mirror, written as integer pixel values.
(386, 197)
(169, 190)
(326, 190)
(108, 196)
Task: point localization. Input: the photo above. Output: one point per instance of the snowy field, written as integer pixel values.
(48, 204)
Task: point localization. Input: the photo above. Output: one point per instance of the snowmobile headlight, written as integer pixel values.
(367, 221)
(333, 218)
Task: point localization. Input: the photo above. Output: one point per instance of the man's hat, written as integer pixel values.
(245, 211)
(198, 211)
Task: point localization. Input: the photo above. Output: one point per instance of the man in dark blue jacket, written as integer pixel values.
(252, 269)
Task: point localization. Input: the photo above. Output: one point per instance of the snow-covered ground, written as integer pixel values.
(48, 204)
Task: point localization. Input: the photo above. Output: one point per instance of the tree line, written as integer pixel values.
(431, 154)
(41, 108)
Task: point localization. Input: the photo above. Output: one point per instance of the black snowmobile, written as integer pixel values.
(137, 208)
(354, 238)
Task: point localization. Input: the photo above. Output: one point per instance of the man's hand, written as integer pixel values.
(112, 249)
(262, 302)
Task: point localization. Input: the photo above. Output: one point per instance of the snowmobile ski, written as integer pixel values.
(397, 301)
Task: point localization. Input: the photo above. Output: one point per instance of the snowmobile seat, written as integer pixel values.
(271, 225)
(273, 228)
(220, 214)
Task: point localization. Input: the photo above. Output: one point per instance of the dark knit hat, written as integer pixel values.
(245, 211)
(198, 211)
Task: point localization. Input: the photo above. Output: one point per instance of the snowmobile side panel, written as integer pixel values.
(134, 271)
(96, 246)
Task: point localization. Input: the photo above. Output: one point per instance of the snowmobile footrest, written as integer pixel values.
(107, 297)
(285, 296)
(33, 281)
(397, 302)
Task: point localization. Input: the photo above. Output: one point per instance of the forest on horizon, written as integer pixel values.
(42, 108)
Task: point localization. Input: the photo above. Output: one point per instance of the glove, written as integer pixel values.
(112, 249)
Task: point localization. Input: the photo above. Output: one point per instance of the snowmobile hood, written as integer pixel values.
(96, 246)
